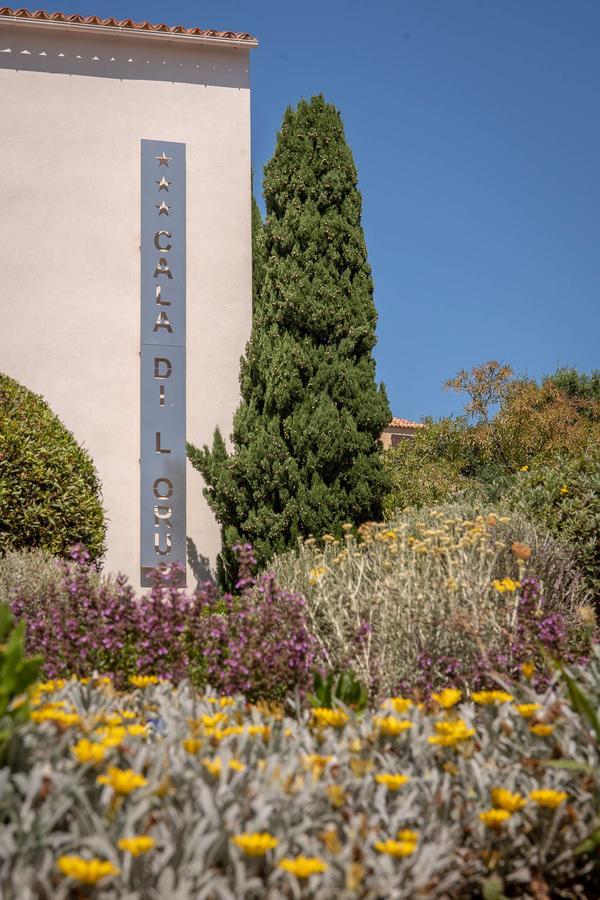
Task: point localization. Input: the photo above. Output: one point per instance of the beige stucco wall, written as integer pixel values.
(70, 131)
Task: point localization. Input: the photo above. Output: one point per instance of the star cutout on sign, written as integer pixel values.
(163, 184)
(163, 159)
(163, 209)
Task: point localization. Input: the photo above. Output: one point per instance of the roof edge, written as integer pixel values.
(126, 28)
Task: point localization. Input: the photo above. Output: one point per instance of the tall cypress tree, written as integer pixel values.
(306, 435)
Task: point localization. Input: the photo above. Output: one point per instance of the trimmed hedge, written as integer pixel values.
(50, 495)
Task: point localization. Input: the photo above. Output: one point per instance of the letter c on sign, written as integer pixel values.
(159, 492)
(157, 242)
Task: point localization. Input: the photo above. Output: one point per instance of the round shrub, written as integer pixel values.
(49, 489)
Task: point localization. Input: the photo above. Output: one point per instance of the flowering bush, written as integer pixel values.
(161, 791)
(257, 642)
(437, 595)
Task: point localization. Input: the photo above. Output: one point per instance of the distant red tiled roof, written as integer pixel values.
(404, 423)
(126, 24)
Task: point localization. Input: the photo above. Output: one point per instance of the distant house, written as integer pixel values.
(399, 430)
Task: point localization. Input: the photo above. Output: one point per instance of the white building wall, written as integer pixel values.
(70, 132)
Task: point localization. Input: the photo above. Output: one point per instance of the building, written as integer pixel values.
(126, 285)
(399, 430)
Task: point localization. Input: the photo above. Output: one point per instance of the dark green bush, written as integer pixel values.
(49, 489)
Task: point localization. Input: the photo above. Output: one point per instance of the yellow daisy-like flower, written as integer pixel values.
(214, 720)
(141, 843)
(548, 797)
(505, 585)
(487, 698)
(86, 751)
(137, 730)
(448, 698)
(219, 734)
(524, 469)
(213, 766)
(262, 731)
(122, 781)
(391, 781)
(336, 795)
(541, 729)
(330, 718)
(399, 704)
(527, 710)
(396, 848)
(52, 713)
(528, 670)
(316, 574)
(505, 799)
(448, 734)
(407, 834)
(495, 818)
(142, 681)
(191, 745)
(237, 765)
(87, 871)
(564, 489)
(315, 761)
(303, 866)
(49, 687)
(255, 843)
(390, 725)
(112, 736)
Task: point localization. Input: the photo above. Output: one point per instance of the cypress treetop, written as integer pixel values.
(306, 451)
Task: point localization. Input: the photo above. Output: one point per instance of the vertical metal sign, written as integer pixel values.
(162, 356)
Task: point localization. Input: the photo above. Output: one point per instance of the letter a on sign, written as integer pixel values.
(162, 360)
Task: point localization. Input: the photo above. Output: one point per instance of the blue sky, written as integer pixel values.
(475, 128)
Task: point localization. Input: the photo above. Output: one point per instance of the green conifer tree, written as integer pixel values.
(306, 435)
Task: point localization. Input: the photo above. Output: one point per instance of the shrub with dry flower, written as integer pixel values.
(160, 791)
(437, 594)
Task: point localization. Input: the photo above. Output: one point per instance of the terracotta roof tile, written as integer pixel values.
(405, 423)
(128, 24)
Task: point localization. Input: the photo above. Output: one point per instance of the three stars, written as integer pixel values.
(163, 185)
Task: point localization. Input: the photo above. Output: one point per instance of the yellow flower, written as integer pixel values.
(237, 765)
(303, 866)
(336, 795)
(128, 714)
(548, 797)
(122, 781)
(524, 469)
(112, 736)
(392, 782)
(332, 718)
(505, 799)
(142, 843)
(213, 766)
(396, 848)
(191, 745)
(390, 725)
(88, 752)
(88, 871)
(527, 710)
(495, 818)
(506, 584)
(451, 733)
(406, 834)
(486, 698)
(142, 681)
(331, 839)
(255, 843)
(214, 720)
(541, 729)
(564, 489)
(399, 704)
(137, 730)
(315, 761)
(448, 698)
(219, 734)
(316, 574)
(49, 687)
(52, 713)
(262, 731)
(528, 670)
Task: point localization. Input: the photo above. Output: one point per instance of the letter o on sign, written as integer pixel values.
(160, 492)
